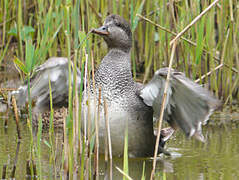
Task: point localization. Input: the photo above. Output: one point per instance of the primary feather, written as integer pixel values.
(188, 105)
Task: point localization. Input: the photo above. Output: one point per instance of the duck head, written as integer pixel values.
(116, 33)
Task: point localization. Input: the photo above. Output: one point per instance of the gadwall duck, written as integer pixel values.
(134, 105)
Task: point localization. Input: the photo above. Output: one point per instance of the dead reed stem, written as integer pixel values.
(65, 167)
(107, 125)
(194, 21)
(76, 118)
(231, 10)
(85, 94)
(97, 138)
(185, 39)
(165, 29)
(16, 116)
(106, 145)
(96, 117)
(8, 89)
(88, 123)
(123, 173)
(208, 73)
(162, 109)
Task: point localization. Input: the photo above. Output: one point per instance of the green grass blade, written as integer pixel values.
(29, 55)
(20, 65)
(136, 18)
(126, 163)
(143, 172)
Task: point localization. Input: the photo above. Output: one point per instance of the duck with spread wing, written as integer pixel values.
(131, 104)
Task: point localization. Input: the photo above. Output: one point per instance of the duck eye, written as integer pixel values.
(117, 23)
(104, 28)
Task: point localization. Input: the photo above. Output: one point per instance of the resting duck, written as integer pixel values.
(129, 103)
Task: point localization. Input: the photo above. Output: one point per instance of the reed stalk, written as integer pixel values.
(16, 117)
(126, 160)
(162, 109)
(75, 117)
(19, 27)
(194, 21)
(96, 120)
(38, 149)
(97, 137)
(143, 172)
(107, 125)
(123, 173)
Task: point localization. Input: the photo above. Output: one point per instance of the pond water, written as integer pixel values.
(216, 159)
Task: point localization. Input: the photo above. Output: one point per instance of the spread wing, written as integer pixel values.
(188, 105)
(54, 69)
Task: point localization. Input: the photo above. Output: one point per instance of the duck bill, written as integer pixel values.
(101, 31)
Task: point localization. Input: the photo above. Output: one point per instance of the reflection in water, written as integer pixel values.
(216, 159)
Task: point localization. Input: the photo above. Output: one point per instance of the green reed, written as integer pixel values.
(51, 132)
(125, 160)
(38, 148)
(143, 172)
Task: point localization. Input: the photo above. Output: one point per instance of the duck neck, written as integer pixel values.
(116, 55)
(124, 48)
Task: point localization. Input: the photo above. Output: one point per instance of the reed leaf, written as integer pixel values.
(125, 160)
(143, 177)
(30, 61)
(20, 65)
(134, 18)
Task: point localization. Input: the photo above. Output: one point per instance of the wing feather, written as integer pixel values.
(54, 69)
(188, 105)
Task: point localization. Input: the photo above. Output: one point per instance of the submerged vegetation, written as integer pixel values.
(31, 31)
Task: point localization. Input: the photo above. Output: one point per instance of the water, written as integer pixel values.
(216, 159)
